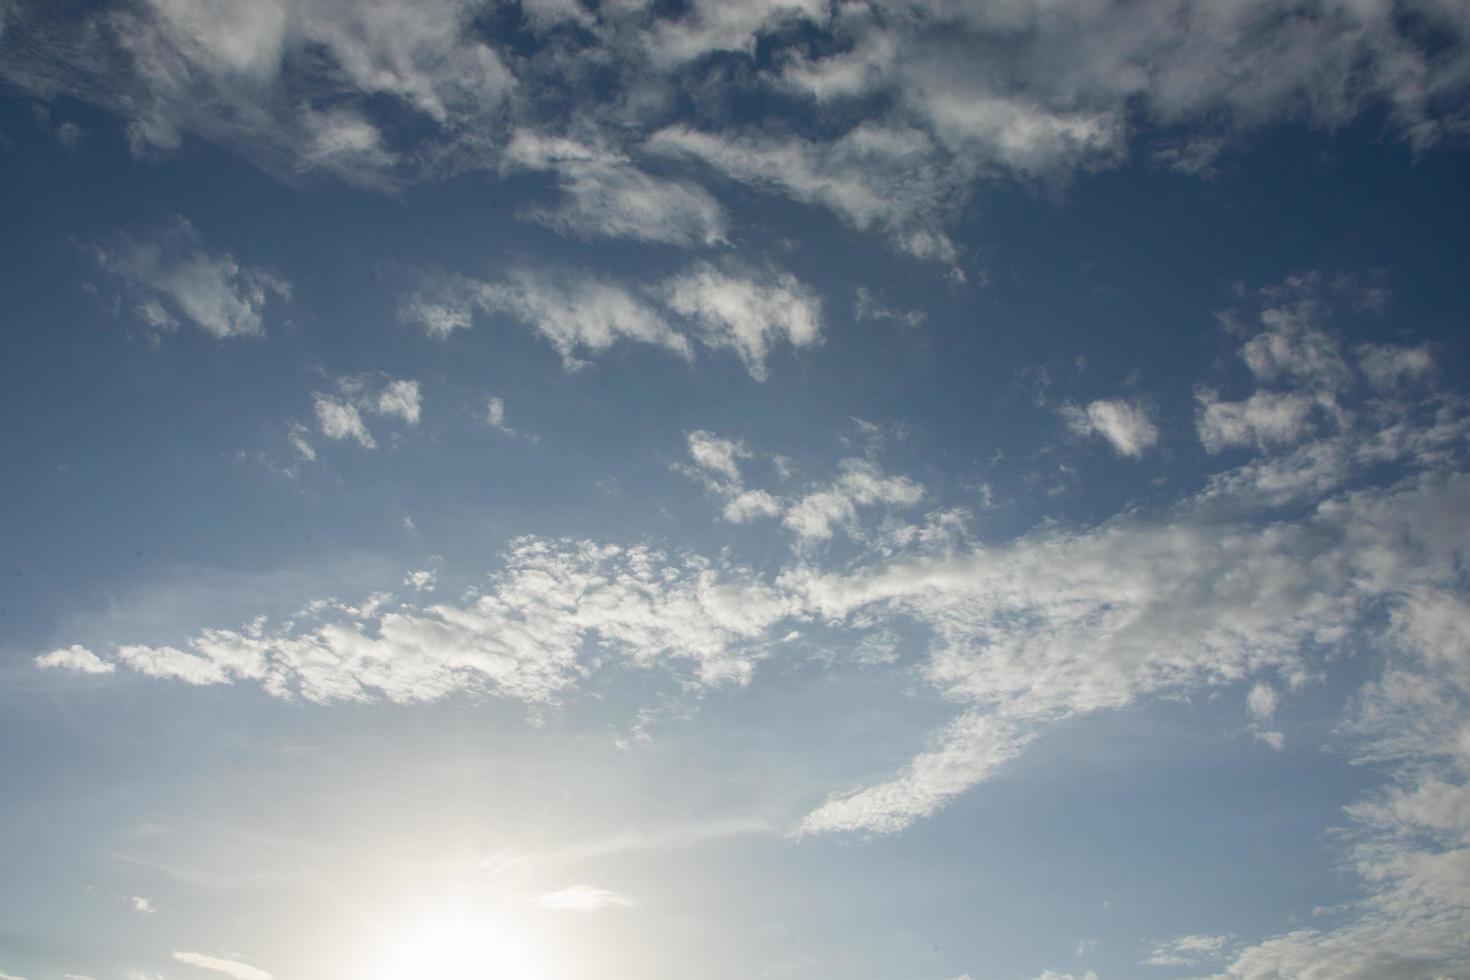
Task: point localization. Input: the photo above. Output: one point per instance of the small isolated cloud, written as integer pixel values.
(231, 968)
(868, 307)
(172, 273)
(1187, 951)
(142, 905)
(76, 658)
(583, 898)
(1054, 975)
(495, 415)
(1125, 425)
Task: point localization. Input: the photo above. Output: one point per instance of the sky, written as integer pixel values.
(653, 489)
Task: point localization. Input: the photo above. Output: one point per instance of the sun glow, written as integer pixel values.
(460, 945)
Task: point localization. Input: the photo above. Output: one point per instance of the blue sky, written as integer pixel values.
(883, 490)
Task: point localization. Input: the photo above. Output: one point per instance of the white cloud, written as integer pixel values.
(871, 177)
(1389, 365)
(142, 905)
(1263, 420)
(1187, 951)
(746, 312)
(77, 658)
(606, 196)
(422, 579)
(716, 454)
(583, 898)
(1261, 702)
(816, 515)
(173, 266)
(339, 417)
(297, 437)
(3, 974)
(230, 968)
(867, 307)
(341, 420)
(1053, 975)
(904, 115)
(574, 312)
(1125, 425)
(523, 637)
(400, 398)
(495, 415)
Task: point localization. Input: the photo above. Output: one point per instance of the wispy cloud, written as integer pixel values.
(583, 898)
(230, 968)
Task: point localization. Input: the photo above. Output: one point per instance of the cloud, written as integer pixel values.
(716, 455)
(1224, 588)
(889, 116)
(172, 273)
(604, 195)
(339, 416)
(1261, 702)
(424, 579)
(76, 658)
(495, 415)
(523, 637)
(583, 898)
(400, 398)
(579, 313)
(1187, 951)
(142, 905)
(1125, 425)
(575, 312)
(867, 307)
(873, 177)
(816, 515)
(1053, 975)
(1263, 420)
(230, 968)
(340, 420)
(297, 437)
(746, 312)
